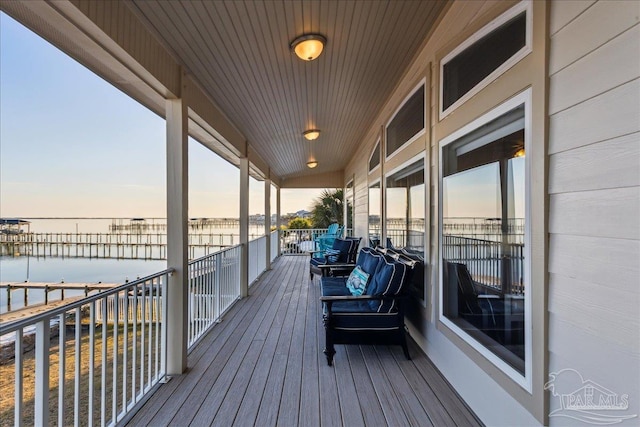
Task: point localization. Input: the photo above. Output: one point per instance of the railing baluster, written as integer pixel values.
(62, 364)
(115, 358)
(92, 357)
(134, 355)
(125, 348)
(156, 301)
(142, 336)
(103, 377)
(78, 365)
(19, 359)
(43, 334)
(165, 305)
(150, 327)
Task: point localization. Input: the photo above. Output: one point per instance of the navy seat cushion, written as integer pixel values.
(334, 286)
(354, 316)
(354, 308)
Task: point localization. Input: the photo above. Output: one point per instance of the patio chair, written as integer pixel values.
(325, 241)
(374, 312)
(479, 309)
(342, 251)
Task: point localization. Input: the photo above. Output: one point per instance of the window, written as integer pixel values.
(484, 237)
(405, 205)
(484, 56)
(374, 214)
(374, 160)
(407, 122)
(350, 196)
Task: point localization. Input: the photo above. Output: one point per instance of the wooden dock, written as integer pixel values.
(47, 287)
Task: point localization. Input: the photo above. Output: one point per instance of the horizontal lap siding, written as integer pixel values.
(594, 194)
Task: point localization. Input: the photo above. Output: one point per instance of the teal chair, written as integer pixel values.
(325, 241)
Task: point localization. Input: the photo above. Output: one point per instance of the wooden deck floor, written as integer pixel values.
(263, 365)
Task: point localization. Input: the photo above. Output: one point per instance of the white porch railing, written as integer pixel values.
(257, 258)
(274, 242)
(98, 369)
(214, 285)
(299, 241)
(110, 351)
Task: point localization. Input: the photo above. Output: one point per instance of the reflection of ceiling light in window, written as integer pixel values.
(519, 153)
(312, 164)
(311, 134)
(308, 46)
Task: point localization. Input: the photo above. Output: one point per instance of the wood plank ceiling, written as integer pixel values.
(238, 52)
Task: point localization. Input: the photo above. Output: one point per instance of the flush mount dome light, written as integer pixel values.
(308, 46)
(311, 134)
(312, 164)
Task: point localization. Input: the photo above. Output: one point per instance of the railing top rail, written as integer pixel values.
(474, 239)
(21, 323)
(202, 258)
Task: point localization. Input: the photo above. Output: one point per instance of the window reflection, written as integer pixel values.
(483, 228)
(374, 214)
(405, 204)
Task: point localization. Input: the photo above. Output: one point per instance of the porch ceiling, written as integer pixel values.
(238, 52)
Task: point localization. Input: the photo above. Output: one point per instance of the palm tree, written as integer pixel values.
(328, 208)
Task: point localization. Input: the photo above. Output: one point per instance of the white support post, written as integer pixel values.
(278, 219)
(177, 237)
(244, 227)
(267, 220)
(41, 405)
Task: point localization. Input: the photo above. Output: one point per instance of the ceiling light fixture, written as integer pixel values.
(311, 134)
(519, 153)
(308, 46)
(312, 164)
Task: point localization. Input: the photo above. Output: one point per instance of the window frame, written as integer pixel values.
(420, 156)
(525, 381)
(349, 193)
(419, 134)
(370, 184)
(524, 6)
(373, 151)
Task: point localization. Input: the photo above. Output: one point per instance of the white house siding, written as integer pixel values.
(594, 196)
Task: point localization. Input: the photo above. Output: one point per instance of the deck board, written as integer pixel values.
(263, 365)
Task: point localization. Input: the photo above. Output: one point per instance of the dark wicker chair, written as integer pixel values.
(343, 251)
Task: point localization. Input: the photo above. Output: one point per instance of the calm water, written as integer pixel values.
(78, 270)
(71, 270)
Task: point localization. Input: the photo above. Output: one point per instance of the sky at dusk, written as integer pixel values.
(73, 145)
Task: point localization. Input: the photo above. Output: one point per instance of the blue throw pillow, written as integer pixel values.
(357, 281)
(332, 255)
